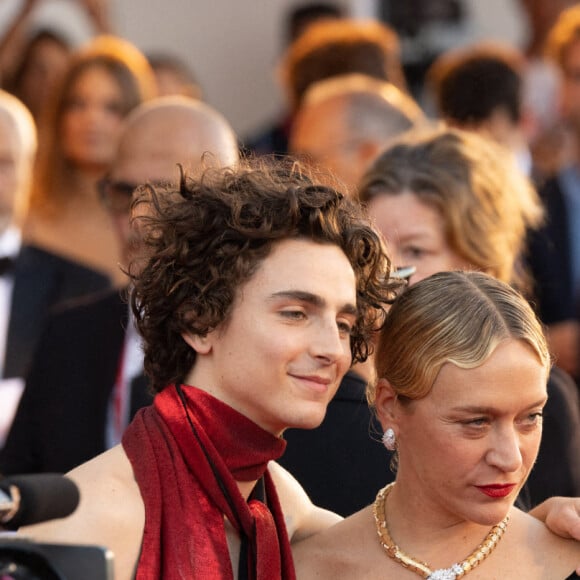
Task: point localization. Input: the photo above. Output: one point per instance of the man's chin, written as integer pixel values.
(310, 422)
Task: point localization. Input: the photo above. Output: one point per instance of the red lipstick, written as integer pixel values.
(497, 490)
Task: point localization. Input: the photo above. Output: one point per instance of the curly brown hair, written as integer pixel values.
(205, 238)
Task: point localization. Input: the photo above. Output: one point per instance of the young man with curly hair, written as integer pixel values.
(255, 291)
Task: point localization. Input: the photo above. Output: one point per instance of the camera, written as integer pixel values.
(22, 559)
(31, 499)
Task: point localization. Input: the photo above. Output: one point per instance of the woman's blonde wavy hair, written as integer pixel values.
(451, 317)
(487, 205)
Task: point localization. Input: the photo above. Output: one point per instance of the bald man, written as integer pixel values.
(86, 380)
(344, 122)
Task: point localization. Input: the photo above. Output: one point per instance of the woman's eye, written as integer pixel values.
(533, 418)
(114, 108)
(413, 252)
(476, 422)
(74, 104)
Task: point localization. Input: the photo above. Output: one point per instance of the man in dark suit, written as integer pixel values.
(31, 281)
(86, 380)
(42, 282)
(554, 255)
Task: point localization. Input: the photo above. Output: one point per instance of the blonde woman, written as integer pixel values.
(462, 364)
(448, 199)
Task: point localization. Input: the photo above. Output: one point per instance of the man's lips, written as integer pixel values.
(497, 489)
(315, 382)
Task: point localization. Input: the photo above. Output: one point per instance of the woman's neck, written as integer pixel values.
(427, 531)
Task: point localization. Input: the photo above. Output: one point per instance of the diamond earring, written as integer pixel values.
(389, 439)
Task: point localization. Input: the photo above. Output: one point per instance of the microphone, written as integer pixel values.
(32, 499)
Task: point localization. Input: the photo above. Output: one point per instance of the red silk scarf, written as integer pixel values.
(187, 475)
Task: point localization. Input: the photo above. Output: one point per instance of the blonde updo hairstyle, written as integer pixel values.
(451, 317)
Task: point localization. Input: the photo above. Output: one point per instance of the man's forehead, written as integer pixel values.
(142, 159)
(154, 144)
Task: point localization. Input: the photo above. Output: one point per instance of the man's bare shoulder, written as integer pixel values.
(302, 517)
(110, 511)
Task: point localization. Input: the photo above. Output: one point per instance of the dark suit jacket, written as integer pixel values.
(61, 418)
(548, 257)
(557, 469)
(41, 281)
(342, 464)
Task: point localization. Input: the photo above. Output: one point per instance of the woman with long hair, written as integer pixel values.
(106, 79)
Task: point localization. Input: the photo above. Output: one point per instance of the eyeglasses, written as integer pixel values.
(116, 195)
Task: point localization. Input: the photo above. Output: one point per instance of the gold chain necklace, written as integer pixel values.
(457, 570)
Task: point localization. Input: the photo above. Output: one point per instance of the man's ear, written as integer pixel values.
(200, 344)
(386, 403)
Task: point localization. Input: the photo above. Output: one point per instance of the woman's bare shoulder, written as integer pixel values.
(549, 555)
(349, 549)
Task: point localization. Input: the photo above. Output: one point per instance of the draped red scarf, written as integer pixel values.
(186, 457)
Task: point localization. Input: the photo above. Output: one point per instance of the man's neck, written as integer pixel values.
(246, 488)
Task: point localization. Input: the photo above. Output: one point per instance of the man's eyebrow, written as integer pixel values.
(313, 299)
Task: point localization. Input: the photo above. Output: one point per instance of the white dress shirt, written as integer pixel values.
(10, 389)
(130, 366)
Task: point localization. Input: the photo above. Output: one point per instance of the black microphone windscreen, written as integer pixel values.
(43, 497)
